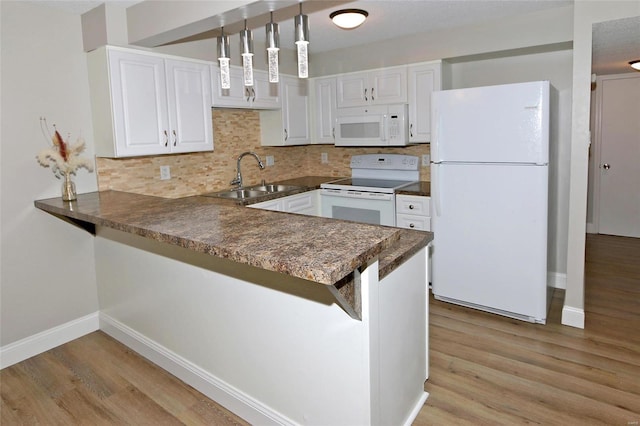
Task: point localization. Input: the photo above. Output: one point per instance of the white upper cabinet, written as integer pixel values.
(290, 125)
(324, 110)
(424, 79)
(189, 104)
(147, 104)
(384, 86)
(262, 95)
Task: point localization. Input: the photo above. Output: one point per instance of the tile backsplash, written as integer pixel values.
(234, 131)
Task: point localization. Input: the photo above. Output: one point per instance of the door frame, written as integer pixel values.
(598, 144)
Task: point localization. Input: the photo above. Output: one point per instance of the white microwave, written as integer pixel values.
(378, 125)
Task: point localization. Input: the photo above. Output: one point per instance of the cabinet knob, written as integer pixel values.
(606, 166)
(411, 207)
(411, 225)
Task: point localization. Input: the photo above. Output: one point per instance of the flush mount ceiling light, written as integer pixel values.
(348, 19)
(635, 64)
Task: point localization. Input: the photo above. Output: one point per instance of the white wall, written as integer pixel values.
(555, 67)
(47, 265)
(586, 14)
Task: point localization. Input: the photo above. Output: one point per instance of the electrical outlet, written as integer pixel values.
(270, 160)
(165, 172)
(426, 159)
(324, 158)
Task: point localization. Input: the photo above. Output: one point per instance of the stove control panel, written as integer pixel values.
(385, 162)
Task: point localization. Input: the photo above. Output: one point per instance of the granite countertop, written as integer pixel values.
(420, 188)
(308, 247)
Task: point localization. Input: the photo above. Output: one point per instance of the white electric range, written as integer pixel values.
(369, 194)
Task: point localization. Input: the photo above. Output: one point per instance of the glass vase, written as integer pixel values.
(68, 188)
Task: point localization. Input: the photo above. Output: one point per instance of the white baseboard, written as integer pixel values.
(573, 317)
(224, 394)
(557, 280)
(30, 346)
(416, 409)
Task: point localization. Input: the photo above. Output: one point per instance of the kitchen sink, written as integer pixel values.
(253, 191)
(240, 194)
(271, 188)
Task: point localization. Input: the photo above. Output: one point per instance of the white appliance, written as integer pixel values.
(369, 194)
(377, 125)
(489, 185)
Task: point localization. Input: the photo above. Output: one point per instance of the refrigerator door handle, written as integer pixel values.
(434, 134)
(436, 193)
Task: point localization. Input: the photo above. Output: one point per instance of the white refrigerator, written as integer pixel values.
(489, 188)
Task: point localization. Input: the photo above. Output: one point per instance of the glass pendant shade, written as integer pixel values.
(273, 46)
(302, 42)
(246, 49)
(223, 59)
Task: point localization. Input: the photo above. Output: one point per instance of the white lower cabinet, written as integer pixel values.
(307, 203)
(413, 212)
(149, 104)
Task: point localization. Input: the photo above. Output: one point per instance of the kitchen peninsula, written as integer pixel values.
(282, 318)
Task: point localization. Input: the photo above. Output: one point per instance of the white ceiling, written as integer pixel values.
(615, 43)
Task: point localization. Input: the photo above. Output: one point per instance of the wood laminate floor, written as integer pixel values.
(485, 369)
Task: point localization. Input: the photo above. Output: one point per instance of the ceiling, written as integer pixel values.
(615, 43)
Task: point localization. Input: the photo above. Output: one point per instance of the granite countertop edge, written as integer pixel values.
(317, 249)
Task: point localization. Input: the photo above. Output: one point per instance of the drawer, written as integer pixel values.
(409, 221)
(412, 204)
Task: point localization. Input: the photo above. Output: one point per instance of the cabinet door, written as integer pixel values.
(189, 100)
(325, 110)
(275, 205)
(139, 102)
(264, 94)
(307, 203)
(423, 81)
(295, 111)
(235, 97)
(353, 90)
(389, 86)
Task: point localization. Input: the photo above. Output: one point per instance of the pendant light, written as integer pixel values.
(635, 64)
(246, 49)
(223, 59)
(302, 41)
(273, 46)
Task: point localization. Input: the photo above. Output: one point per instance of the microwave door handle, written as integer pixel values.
(384, 128)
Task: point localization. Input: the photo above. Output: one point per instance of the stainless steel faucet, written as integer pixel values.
(238, 179)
